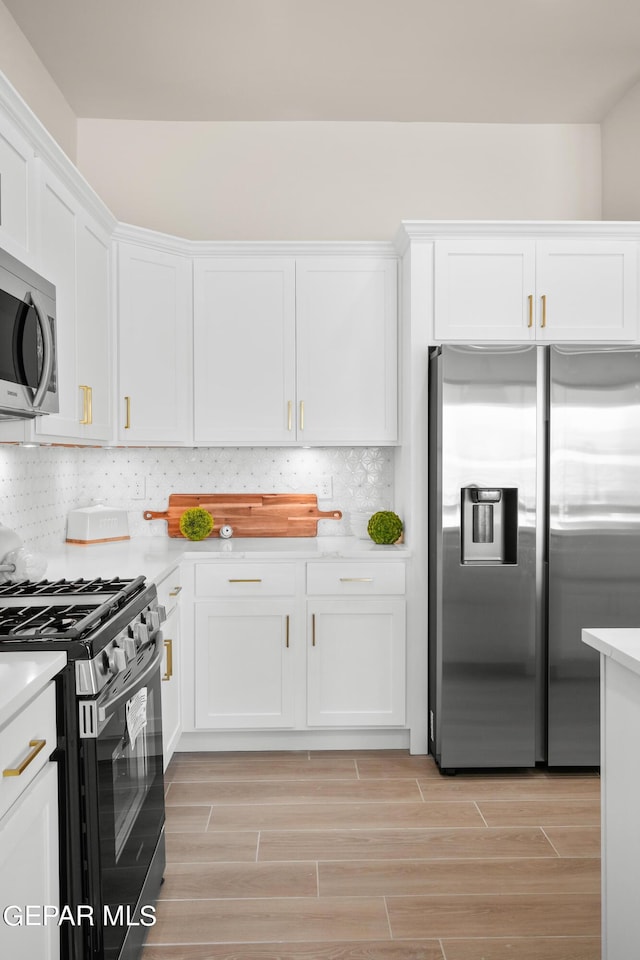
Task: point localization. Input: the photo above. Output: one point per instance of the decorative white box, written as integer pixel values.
(97, 524)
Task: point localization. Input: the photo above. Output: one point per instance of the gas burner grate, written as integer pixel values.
(52, 622)
(97, 586)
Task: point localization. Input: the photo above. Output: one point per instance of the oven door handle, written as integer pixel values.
(47, 350)
(125, 693)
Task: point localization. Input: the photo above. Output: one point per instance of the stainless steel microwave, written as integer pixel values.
(28, 368)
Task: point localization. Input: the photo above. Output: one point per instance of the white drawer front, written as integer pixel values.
(245, 579)
(355, 579)
(20, 745)
(169, 589)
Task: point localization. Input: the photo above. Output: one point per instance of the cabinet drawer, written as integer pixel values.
(20, 740)
(355, 579)
(245, 579)
(169, 590)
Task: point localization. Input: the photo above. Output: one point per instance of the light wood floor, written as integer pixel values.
(375, 856)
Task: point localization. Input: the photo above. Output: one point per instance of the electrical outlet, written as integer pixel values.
(325, 488)
(139, 488)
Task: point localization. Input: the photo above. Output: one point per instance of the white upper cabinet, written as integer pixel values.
(16, 190)
(535, 289)
(244, 350)
(295, 351)
(154, 346)
(74, 254)
(347, 337)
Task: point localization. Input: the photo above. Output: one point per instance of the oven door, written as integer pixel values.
(124, 807)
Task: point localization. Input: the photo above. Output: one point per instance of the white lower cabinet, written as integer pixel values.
(244, 664)
(356, 663)
(29, 876)
(169, 589)
(29, 871)
(258, 664)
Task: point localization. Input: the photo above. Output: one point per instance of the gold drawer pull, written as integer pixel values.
(287, 640)
(530, 298)
(356, 579)
(36, 747)
(289, 415)
(175, 592)
(313, 629)
(168, 645)
(302, 414)
(127, 414)
(247, 580)
(544, 310)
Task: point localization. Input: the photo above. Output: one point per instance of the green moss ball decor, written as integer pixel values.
(385, 526)
(196, 523)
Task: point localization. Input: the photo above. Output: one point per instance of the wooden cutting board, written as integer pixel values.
(250, 514)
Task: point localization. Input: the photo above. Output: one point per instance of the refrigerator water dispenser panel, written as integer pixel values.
(489, 528)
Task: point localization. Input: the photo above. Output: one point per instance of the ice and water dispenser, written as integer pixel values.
(489, 524)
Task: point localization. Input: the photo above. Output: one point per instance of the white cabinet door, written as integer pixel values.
(16, 190)
(244, 664)
(589, 290)
(356, 663)
(94, 339)
(154, 346)
(29, 869)
(170, 688)
(244, 351)
(482, 289)
(74, 254)
(346, 314)
(536, 290)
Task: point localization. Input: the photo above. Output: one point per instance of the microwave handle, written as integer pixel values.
(47, 350)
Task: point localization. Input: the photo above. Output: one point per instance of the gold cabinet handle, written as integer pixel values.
(289, 415)
(168, 645)
(543, 322)
(356, 579)
(313, 629)
(127, 417)
(287, 633)
(530, 299)
(87, 403)
(175, 591)
(302, 414)
(36, 747)
(247, 580)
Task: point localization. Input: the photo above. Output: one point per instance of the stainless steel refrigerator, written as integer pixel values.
(534, 533)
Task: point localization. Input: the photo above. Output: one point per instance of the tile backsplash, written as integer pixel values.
(39, 485)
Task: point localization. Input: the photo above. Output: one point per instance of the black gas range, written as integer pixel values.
(109, 751)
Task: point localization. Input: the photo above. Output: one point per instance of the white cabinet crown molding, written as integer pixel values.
(429, 230)
(46, 147)
(196, 249)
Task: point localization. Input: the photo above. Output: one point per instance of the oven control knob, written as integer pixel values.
(129, 647)
(117, 660)
(140, 633)
(153, 620)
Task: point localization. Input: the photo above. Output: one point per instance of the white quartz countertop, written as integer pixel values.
(152, 557)
(619, 643)
(22, 676)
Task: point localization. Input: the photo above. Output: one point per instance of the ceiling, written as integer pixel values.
(486, 61)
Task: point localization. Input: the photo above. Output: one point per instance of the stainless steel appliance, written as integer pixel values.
(109, 750)
(534, 533)
(28, 368)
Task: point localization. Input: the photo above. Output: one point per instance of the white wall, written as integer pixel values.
(621, 159)
(335, 181)
(25, 70)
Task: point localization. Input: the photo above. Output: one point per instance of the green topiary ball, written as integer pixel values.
(196, 523)
(385, 527)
